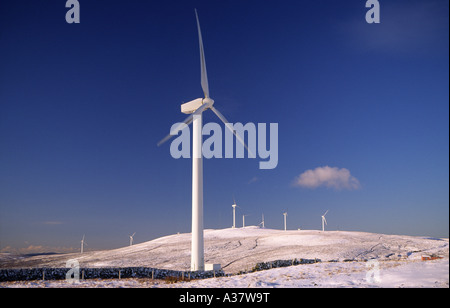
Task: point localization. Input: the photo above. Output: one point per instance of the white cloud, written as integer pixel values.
(331, 177)
(415, 27)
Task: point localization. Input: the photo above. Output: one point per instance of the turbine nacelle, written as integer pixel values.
(192, 106)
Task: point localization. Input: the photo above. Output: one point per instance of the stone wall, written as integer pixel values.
(282, 263)
(102, 273)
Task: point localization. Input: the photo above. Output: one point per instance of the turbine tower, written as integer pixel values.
(324, 221)
(243, 221)
(262, 222)
(285, 215)
(82, 244)
(195, 108)
(131, 238)
(234, 214)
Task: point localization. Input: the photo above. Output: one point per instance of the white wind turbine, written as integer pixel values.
(262, 222)
(195, 108)
(131, 238)
(243, 221)
(285, 215)
(82, 244)
(324, 221)
(234, 213)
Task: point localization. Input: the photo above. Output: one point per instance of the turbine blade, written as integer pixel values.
(204, 80)
(169, 136)
(325, 213)
(188, 121)
(226, 122)
(325, 221)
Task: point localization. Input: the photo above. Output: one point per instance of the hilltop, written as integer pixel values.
(241, 248)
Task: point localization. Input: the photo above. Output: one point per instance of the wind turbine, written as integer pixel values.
(82, 244)
(243, 221)
(195, 108)
(324, 221)
(131, 238)
(262, 222)
(234, 213)
(285, 215)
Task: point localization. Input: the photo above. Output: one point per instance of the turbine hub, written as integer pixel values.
(208, 101)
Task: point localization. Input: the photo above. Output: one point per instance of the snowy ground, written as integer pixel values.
(398, 260)
(392, 274)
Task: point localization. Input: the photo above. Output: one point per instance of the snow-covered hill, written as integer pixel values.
(240, 249)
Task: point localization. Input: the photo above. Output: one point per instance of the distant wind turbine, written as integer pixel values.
(285, 215)
(243, 221)
(131, 238)
(82, 244)
(234, 213)
(262, 222)
(195, 108)
(324, 221)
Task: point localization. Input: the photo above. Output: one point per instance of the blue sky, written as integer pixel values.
(83, 106)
